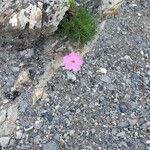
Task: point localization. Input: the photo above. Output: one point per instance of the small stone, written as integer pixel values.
(124, 124)
(126, 57)
(4, 141)
(114, 131)
(71, 76)
(15, 69)
(148, 142)
(122, 144)
(102, 70)
(121, 134)
(9, 124)
(139, 14)
(132, 121)
(2, 116)
(22, 106)
(146, 126)
(28, 128)
(28, 53)
(110, 87)
(123, 107)
(39, 93)
(93, 130)
(10, 81)
(106, 79)
(5, 101)
(23, 79)
(18, 134)
(38, 124)
(48, 116)
(12, 95)
(72, 132)
(56, 137)
(142, 53)
(50, 146)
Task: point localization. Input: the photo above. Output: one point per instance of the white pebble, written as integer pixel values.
(102, 70)
(148, 142)
(72, 132)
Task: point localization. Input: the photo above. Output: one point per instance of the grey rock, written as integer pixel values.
(15, 69)
(2, 116)
(9, 125)
(10, 80)
(4, 141)
(123, 107)
(148, 142)
(124, 124)
(122, 144)
(121, 134)
(56, 137)
(23, 105)
(18, 134)
(29, 14)
(28, 53)
(12, 95)
(114, 131)
(132, 121)
(71, 76)
(38, 124)
(48, 116)
(24, 78)
(51, 146)
(146, 126)
(111, 87)
(106, 79)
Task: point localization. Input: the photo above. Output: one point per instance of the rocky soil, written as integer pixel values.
(105, 106)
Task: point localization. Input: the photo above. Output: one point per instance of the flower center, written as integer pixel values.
(73, 61)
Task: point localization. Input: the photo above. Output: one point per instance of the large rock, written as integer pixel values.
(22, 21)
(8, 120)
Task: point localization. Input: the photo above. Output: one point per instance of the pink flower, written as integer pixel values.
(73, 61)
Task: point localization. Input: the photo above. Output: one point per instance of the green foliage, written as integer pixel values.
(72, 4)
(77, 24)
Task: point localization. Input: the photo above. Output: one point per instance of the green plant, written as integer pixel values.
(78, 24)
(72, 4)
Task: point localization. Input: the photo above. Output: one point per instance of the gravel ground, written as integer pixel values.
(106, 106)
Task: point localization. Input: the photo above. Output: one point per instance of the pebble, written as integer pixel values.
(71, 76)
(38, 124)
(4, 141)
(12, 95)
(10, 81)
(123, 107)
(48, 116)
(28, 128)
(142, 53)
(126, 57)
(114, 131)
(5, 101)
(121, 134)
(18, 134)
(72, 132)
(124, 124)
(28, 53)
(15, 69)
(106, 79)
(50, 146)
(2, 116)
(148, 142)
(132, 121)
(146, 126)
(56, 137)
(102, 70)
